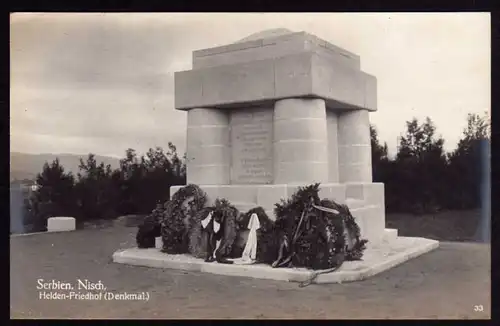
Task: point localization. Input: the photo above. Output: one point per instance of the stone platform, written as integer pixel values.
(389, 253)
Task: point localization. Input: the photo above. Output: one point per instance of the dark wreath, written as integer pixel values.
(212, 224)
(177, 216)
(316, 234)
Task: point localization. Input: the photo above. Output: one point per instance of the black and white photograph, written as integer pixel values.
(250, 165)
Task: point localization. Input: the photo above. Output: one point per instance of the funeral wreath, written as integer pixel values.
(308, 231)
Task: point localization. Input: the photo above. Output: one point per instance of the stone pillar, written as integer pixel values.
(300, 141)
(333, 146)
(208, 147)
(355, 159)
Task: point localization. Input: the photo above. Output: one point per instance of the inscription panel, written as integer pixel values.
(252, 146)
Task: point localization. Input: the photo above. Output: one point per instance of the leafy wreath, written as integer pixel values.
(150, 228)
(308, 232)
(267, 244)
(198, 238)
(316, 234)
(225, 214)
(177, 216)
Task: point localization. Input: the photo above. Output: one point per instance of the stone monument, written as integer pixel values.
(277, 110)
(272, 112)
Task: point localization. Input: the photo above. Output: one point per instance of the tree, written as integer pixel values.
(97, 190)
(55, 196)
(420, 168)
(178, 165)
(380, 158)
(130, 179)
(478, 128)
(146, 180)
(465, 163)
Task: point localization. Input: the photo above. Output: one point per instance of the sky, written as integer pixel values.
(103, 82)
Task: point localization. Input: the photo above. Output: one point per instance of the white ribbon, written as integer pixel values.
(207, 220)
(217, 245)
(250, 251)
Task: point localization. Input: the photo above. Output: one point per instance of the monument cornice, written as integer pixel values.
(304, 74)
(271, 47)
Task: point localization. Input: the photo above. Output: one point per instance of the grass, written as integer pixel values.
(442, 226)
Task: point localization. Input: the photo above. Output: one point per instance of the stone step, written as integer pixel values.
(375, 260)
(390, 234)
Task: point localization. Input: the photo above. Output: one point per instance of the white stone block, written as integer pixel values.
(207, 117)
(251, 115)
(354, 203)
(297, 75)
(370, 91)
(338, 82)
(292, 76)
(298, 133)
(208, 135)
(311, 129)
(300, 150)
(390, 234)
(238, 83)
(354, 147)
(293, 108)
(252, 146)
(272, 47)
(267, 196)
(58, 224)
(208, 164)
(355, 154)
(370, 221)
(240, 193)
(354, 128)
(208, 155)
(371, 193)
(333, 191)
(355, 172)
(305, 172)
(208, 174)
(158, 243)
(188, 88)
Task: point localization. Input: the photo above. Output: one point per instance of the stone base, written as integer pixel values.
(365, 200)
(377, 258)
(59, 224)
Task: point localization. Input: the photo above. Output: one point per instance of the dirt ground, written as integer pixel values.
(446, 283)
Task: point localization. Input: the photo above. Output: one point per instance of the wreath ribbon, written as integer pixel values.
(250, 251)
(207, 220)
(204, 224)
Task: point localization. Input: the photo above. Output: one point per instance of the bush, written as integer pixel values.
(99, 192)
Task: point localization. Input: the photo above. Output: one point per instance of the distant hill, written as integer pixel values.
(27, 166)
